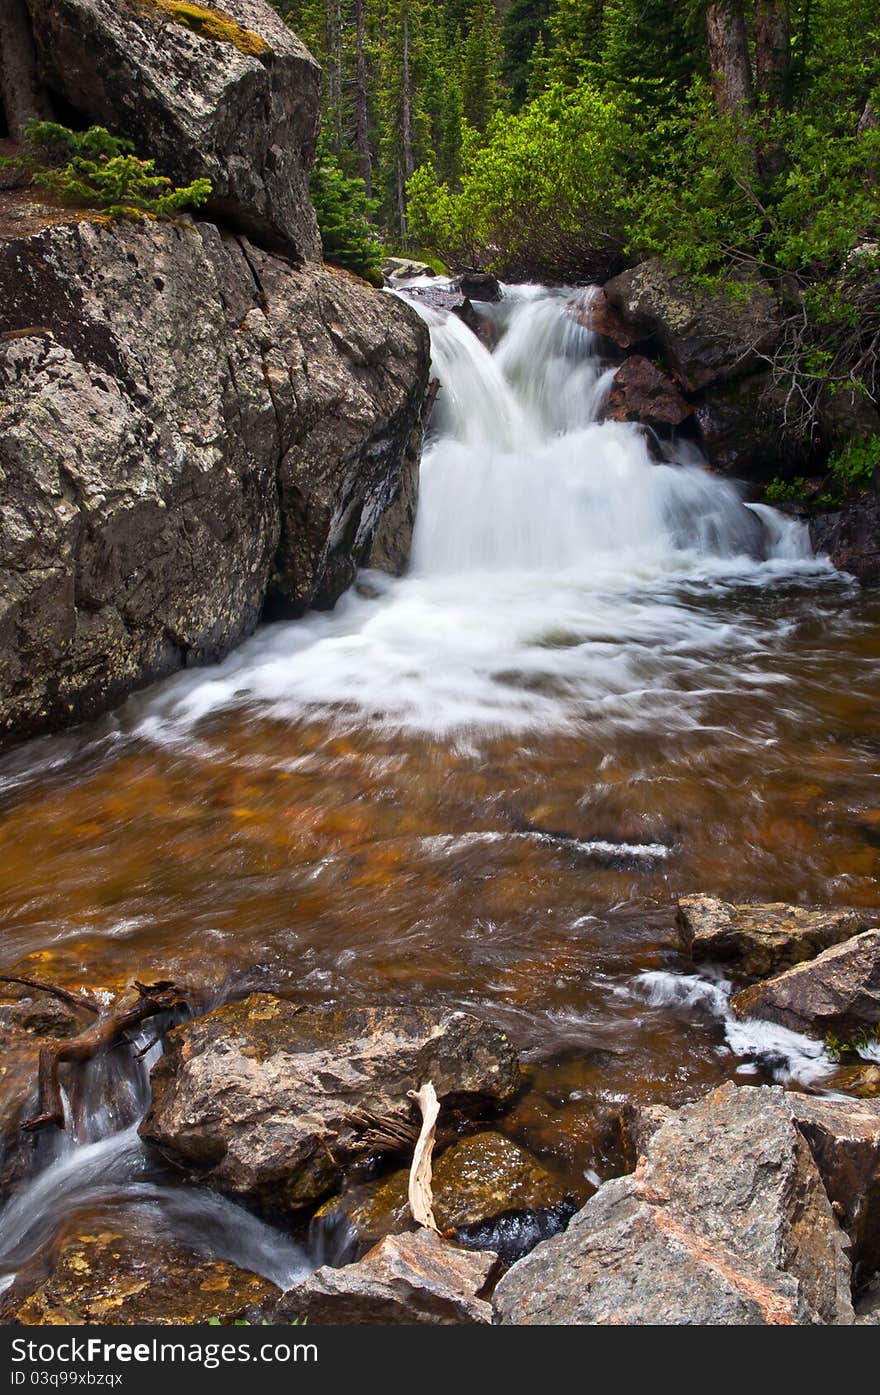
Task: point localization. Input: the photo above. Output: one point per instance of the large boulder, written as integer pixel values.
(741, 427)
(481, 1184)
(838, 993)
(703, 337)
(227, 93)
(102, 1272)
(844, 1138)
(761, 938)
(725, 1221)
(271, 1101)
(185, 421)
(850, 537)
(406, 1279)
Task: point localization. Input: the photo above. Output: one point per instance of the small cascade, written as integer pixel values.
(98, 1161)
(553, 568)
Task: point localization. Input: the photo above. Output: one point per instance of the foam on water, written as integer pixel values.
(762, 1046)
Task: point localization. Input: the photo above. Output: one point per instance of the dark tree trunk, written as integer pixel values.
(773, 52)
(409, 162)
(361, 114)
(729, 57)
(22, 96)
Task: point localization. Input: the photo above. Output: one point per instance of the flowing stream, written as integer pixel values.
(606, 681)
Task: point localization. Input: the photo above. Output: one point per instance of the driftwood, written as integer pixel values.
(75, 1000)
(152, 1000)
(421, 1196)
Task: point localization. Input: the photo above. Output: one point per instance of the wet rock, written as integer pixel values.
(741, 429)
(185, 423)
(416, 1278)
(259, 1097)
(837, 994)
(844, 1138)
(102, 1274)
(850, 537)
(402, 269)
(761, 938)
(29, 1020)
(861, 1079)
(479, 285)
(477, 1182)
(642, 392)
(703, 337)
(226, 93)
(726, 1221)
(595, 312)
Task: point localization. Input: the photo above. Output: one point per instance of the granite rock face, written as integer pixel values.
(272, 1102)
(724, 1222)
(185, 422)
(226, 93)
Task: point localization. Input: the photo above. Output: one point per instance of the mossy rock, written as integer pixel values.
(477, 1181)
(211, 24)
(105, 1274)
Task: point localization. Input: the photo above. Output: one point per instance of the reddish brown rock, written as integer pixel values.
(838, 993)
(415, 1278)
(844, 1138)
(642, 392)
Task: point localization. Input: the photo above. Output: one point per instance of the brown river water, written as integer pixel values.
(486, 785)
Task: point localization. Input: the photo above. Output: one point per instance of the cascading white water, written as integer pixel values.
(98, 1160)
(554, 565)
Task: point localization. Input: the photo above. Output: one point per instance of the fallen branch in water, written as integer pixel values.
(152, 999)
(76, 1000)
(420, 1192)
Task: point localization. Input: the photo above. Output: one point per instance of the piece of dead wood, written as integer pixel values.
(75, 1000)
(152, 1000)
(381, 1133)
(420, 1191)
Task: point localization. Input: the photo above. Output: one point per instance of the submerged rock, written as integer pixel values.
(102, 1274)
(185, 423)
(725, 1221)
(838, 993)
(416, 1278)
(226, 93)
(479, 1183)
(761, 938)
(267, 1100)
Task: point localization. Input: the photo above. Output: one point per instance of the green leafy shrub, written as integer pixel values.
(852, 469)
(343, 212)
(541, 195)
(94, 169)
(781, 491)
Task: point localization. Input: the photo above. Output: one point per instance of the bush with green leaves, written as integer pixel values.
(94, 169)
(541, 195)
(343, 212)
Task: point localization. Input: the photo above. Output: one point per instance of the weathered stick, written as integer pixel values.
(76, 1000)
(421, 1195)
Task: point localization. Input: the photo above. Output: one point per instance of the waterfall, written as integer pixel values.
(556, 566)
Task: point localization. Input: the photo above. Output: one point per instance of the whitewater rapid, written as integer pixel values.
(558, 569)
